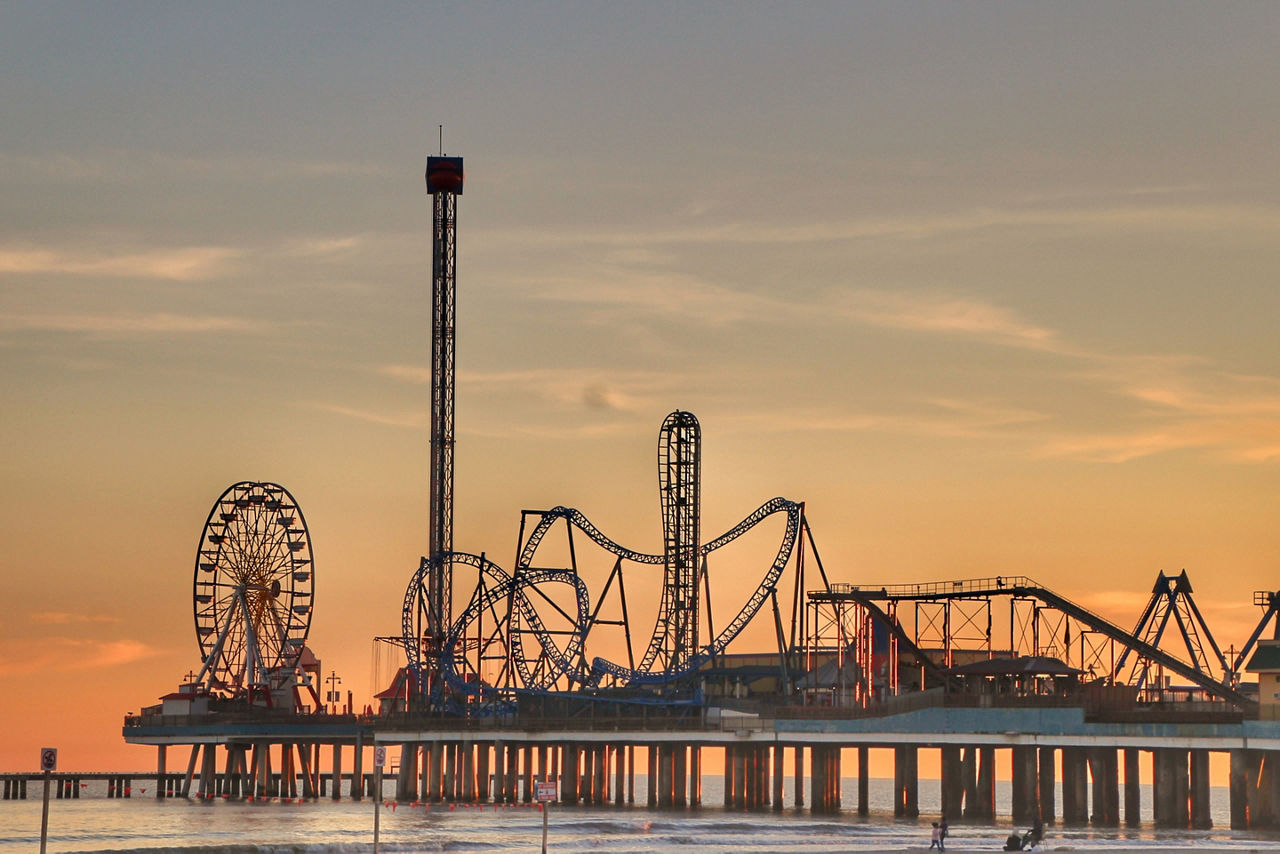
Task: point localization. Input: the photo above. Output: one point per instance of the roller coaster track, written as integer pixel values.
(561, 662)
(601, 667)
(1026, 587)
(502, 587)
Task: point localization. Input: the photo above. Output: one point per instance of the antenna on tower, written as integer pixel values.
(441, 140)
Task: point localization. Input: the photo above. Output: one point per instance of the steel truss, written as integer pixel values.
(949, 617)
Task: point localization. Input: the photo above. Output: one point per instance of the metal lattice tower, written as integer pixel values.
(444, 183)
(675, 636)
(1171, 600)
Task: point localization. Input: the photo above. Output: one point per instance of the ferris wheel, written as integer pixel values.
(253, 589)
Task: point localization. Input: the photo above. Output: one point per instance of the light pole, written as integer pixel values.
(332, 696)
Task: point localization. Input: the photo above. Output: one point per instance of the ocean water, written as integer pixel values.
(94, 823)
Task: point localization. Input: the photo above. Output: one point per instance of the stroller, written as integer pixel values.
(1026, 841)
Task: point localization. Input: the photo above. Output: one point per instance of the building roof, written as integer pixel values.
(397, 688)
(1267, 657)
(1025, 665)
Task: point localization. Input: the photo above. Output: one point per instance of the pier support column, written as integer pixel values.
(864, 772)
(452, 779)
(1106, 787)
(730, 757)
(969, 780)
(821, 782)
(1261, 783)
(500, 774)
(435, 773)
(631, 773)
(906, 782)
(600, 775)
(160, 770)
(1132, 788)
(305, 771)
(952, 794)
(679, 775)
(527, 795)
(1268, 776)
(666, 770)
(695, 776)
(1239, 790)
(407, 778)
(984, 806)
(619, 775)
(652, 797)
(483, 791)
(1201, 819)
(513, 773)
(336, 779)
(750, 777)
(1025, 806)
(571, 774)
(1048, 779)
(779, 778)
(208, 771)
(1075, 786)
(1182, 788)
(798, 775)
(1165, 783)
(468, 771)
(817, 779)
(191, 770)
(357, 764)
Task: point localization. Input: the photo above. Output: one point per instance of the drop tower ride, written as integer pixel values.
(444, 184)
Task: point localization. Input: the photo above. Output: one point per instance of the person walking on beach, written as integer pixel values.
(935, 841)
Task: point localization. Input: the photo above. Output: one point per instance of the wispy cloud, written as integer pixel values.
(414, 420)
(180, 265)
(945, 314)
(625, 390)
(127, 165)
(1108, 216)
(63, 618)
(129, 323)
(952, 418)
(672, 295)
(1179, 404)
(323, 247)
(68, 655)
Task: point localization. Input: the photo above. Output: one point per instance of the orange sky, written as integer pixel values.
(990, 288)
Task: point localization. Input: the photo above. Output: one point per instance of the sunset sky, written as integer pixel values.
(991, 286)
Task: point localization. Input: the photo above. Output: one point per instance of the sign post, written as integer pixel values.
(545, 791)
(48, 764)
(379, 759)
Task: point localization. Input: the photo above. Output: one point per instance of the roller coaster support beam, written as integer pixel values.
(1021, 586)
(930, 666)
(1271, 601)
(1194, 675)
